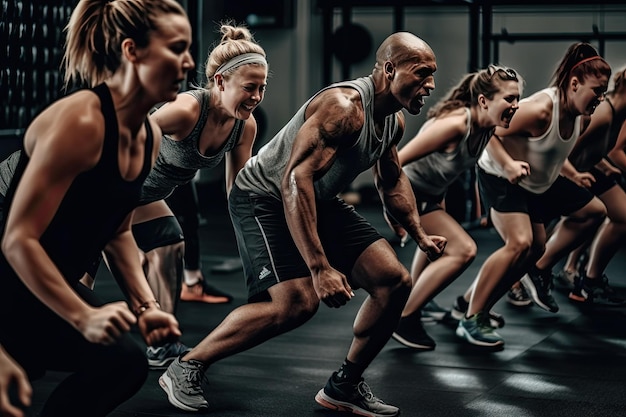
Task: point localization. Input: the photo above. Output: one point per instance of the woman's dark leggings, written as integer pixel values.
(100, 377)
(184, 203)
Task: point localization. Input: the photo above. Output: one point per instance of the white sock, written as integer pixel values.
(192, 277)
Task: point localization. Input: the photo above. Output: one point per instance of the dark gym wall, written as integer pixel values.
(32, 37)
(295, 51)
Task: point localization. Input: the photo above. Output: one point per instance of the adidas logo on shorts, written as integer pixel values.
(264, 273)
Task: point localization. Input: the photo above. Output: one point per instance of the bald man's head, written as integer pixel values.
(401, 47)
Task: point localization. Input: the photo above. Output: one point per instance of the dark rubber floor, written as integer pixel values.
(568, 364)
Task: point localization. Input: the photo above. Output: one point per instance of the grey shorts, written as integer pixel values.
(268, 252)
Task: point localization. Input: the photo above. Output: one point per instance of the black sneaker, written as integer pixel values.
(353, 398)
(596, 291)
(539, 287)
(411, 333)
(459, 309)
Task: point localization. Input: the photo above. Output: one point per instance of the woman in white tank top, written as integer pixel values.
(520, 185)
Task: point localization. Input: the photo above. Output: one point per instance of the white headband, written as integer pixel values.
(250, 58)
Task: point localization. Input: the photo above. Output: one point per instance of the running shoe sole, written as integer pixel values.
(518, 303)
(160, 364)
(528, 284)
(325, 401)
(407, 343)
(166, 383)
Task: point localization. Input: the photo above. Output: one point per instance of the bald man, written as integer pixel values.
(301, 244)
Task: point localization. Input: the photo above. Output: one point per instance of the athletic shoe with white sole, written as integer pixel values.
(477, 331)
(353, 398)
(182, 382)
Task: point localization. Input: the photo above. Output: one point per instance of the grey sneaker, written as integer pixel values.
(477, 331)
(518, 296)
(353, 398)
(568, 279)
(160, 357)
(182, 382)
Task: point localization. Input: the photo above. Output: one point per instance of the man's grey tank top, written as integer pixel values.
(262, 174)
(179, 160)
(434, 173)
(546, 154)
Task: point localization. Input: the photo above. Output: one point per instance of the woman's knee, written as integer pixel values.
(595, 210)
(522, 245)
(466, 251)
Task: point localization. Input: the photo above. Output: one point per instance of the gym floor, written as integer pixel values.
(571, 363)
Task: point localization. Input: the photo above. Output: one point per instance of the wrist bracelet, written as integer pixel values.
(144, 306)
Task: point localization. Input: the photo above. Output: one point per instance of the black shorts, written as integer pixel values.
(268, 252)
(427, 203)
(603, 183)
(156, 233)
(563, 198)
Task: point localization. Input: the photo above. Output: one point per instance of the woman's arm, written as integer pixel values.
(439, 134)
(237, 158)
(60, 149)
(178, 118)
(617, 155)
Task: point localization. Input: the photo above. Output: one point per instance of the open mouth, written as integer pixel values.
(508, 115)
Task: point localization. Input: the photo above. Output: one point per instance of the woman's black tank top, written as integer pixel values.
(95, 205)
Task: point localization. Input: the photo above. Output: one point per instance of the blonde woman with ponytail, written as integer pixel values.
(202, 128)
(78, 178)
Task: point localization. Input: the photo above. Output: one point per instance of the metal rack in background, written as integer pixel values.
(483, 44)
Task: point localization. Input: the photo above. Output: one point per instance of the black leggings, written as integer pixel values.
(101, 377)
(184, 203)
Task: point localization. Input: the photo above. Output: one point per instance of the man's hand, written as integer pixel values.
(158, 327)
(433, 246)
(332, 288)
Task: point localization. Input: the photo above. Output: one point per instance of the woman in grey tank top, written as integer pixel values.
(201, 128)
(448, 144)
